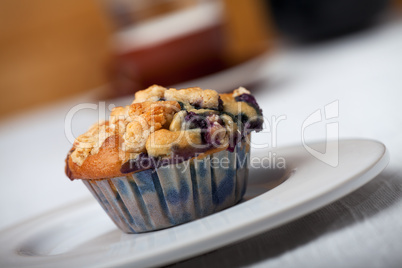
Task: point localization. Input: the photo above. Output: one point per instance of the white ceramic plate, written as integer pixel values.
(81, 235)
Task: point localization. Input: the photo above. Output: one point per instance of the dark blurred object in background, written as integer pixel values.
(167, 48)
(53, 49)
(125, 13)
(318, 19)
(181, 40)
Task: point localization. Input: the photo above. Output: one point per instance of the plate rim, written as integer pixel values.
(237, 232)
(357, 181)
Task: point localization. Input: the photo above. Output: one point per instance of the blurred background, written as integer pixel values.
(296, 56)
(54, 49)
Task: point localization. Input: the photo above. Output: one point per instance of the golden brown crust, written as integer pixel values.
(153, 93)
(90, 142)
(163, 142)
(194, 96)
(156, 113)
(240, 107)
(154, 124)
(105, 164)
(227, 97)
(230, 97)
(240, 91)
(146, 118)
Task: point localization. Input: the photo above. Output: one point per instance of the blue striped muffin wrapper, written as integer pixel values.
(159, 198)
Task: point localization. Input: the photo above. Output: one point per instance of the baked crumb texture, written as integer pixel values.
(163, 126)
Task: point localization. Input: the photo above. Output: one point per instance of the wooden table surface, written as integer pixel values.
(50, 49)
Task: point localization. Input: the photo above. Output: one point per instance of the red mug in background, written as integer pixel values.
(197, 39)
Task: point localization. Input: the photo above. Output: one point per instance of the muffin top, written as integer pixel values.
(163, 126)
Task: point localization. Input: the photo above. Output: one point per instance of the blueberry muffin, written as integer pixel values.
(170, 157)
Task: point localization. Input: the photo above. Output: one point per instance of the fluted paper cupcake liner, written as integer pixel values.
(158, 198)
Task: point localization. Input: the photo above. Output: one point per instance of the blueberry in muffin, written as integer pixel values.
(156, 163)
